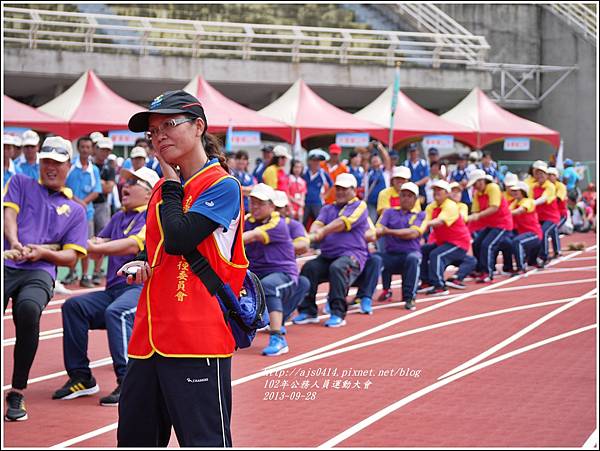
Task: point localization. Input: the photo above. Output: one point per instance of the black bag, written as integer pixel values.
(245, 314)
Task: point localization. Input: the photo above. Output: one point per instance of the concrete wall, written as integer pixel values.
(529, 34)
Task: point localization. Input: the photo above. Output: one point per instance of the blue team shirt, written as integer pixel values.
(245, 179)
(153, 164)
(358, 173)
(314, 185)
(458, 175)
(418, 171)
(220, 202)
(491, 170)
(30, 170)
(259, 170)
(377, 184)
(570, 177)
(83, 182)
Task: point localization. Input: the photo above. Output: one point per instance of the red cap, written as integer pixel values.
(335, 149)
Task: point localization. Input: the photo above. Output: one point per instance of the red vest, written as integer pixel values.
(527, 222)
(457, 234)
(176, 316)
(502, 219)
(546, 211)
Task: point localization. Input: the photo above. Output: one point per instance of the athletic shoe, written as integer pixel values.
(335, 321)
(458, 284)
(74, 388)
(485, 278)
(424, 288)
(97, 278)
(277, 346)
(505, 272)
(365, 306)
(437, 290)
(59, 288)
(410, 305)
(518, 272)
(16, 407)
(305, 318)
(113, 398)
(86, 282)
(71, 278)
(386, 295)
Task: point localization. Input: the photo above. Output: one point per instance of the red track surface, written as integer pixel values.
(544, 397)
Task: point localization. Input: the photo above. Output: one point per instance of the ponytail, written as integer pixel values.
(213, 149)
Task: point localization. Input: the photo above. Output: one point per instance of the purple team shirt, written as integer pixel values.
(275, 256)
(44, 217)
(296, 229)
(351, 242)
(122, 225)
(401, 219)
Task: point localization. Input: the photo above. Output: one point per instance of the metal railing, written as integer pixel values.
(428, 17)
(581, 16)
(144, 35)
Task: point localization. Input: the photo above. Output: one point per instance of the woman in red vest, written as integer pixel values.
(543, 192)
(179, 371)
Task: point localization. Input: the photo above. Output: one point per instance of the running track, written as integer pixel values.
(506, 364)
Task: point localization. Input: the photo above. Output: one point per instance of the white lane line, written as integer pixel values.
(579, 259)
(265, 373)
(424, 391)
(517, 335)
(574, 269)
(403, 318)
(12, 341)
(592, 441)
(94, 364)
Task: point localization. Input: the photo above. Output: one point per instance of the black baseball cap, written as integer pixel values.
(170, 102)
(433, 151)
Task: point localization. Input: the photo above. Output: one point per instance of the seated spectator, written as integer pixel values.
(271, 255)
(37, 215)
(113, 308)
(589, 196)
(467, 264)
(341, 228)
(401, 230)
(296, 229)
(451, 240)
(561, 204)
(317, 183)
(297, 190)
(490, 209)
(390, 197)
(582, 216)
(525, 246)
(543, 192)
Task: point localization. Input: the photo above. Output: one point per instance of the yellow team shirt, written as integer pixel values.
(270, 176)
(449, 211)
(384, 201)
(527, 203)
(494, 195)
(561, 190)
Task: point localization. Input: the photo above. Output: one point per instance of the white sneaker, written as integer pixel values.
(59, 288)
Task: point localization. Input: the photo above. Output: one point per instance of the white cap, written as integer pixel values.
(475, 175)
(105, 143)
(280, 199)
(18, 141)
(111, 157)
(56, 148)
(96, 136)
(10, 140)
(137, 152)
(146, 174)
(520, 186)
(455, 185)
(553, 171)
(443, 184)
(489, 177)
(410, 186)
(510, 179)
(474, 155)
(263, 192)
(120, 161)
(30, 138)
(281, 151)
(541, 165)
(346, 180)
(401, 171)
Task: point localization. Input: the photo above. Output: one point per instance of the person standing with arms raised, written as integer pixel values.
(179, 370)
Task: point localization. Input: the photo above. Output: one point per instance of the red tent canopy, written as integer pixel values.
(411, 120)
(89, 105)
(221, 112)
(17, 114)
(302, 109)
(493, 123)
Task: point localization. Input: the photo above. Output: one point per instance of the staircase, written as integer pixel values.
(582, 17)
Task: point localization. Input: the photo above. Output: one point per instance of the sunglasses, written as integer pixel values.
(133, 182)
